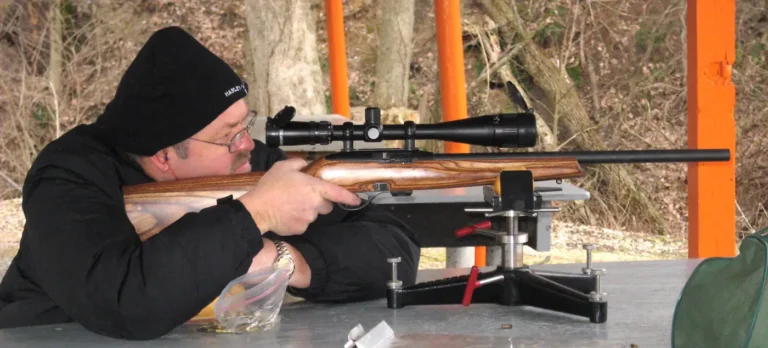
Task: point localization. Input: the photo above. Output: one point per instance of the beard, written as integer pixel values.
(241, 159)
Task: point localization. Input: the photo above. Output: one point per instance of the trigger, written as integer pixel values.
(363, 203)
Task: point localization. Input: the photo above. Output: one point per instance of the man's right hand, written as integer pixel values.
(285, 201)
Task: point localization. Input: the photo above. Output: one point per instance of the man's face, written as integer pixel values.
(202, 155)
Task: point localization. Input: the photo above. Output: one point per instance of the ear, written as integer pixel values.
(160, 160)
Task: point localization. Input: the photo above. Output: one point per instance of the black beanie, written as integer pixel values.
(173, 89)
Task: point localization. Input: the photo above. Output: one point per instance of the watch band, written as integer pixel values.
(284, 257)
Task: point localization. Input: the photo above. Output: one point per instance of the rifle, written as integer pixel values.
(153, 206)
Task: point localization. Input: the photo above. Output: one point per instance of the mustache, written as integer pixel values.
(241, 159)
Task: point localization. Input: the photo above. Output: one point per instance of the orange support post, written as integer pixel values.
(453, 94)
(450, 54)
(711, 103)
(337, 57)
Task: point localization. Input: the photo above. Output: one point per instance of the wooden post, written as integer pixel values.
(711, 103)
(453, 94)
(337, 57)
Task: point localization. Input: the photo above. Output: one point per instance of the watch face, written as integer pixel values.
(285, 263)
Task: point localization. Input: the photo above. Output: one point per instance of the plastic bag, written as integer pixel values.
(252, 301)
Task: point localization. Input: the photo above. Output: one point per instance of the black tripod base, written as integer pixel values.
(561, 292)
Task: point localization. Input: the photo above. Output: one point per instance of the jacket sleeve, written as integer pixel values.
(90, 261)
(347, 251)
(348, 259)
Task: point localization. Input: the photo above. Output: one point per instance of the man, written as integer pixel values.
(179, 113)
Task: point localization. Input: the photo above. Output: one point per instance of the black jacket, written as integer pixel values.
(81, 260)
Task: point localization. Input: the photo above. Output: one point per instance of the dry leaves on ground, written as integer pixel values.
(11, 221)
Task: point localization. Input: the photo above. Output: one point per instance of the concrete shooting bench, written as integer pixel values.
(641, 302)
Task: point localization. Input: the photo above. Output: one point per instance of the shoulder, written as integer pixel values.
(79, 156)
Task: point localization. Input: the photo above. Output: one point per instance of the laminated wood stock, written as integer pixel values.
(153, 206)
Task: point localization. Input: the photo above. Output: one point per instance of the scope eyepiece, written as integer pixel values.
(512, 130)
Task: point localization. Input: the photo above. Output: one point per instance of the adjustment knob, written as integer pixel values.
(598, 295)
(372, 115)
(372, 127)
(588, 248)
(394, 283)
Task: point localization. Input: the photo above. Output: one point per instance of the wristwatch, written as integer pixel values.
(284, 259)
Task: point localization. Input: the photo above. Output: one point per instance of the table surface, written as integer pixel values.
(474, 194)
(642, 297)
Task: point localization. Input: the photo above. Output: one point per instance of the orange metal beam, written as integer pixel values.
(453, 94)
(337, 57)
(711, 103)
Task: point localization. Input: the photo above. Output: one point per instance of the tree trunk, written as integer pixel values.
(500, 68)
(56, 64)
(393, 58)
(286, 66)
(621, 190)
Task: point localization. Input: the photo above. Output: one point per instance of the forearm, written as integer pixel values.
(349, 260)
(97, 270)
(301, 276)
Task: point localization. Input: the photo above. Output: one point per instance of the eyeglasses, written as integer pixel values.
(231, 145)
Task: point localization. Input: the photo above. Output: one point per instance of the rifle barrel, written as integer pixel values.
(601, 157)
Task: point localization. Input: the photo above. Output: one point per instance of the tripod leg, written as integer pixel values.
(541, 292)
(583, 283)
(451, 291)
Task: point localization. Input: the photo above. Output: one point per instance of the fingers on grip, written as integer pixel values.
(335, 193)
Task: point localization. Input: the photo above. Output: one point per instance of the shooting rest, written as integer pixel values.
(512, 283)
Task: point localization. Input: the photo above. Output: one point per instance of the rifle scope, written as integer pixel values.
(499, 130)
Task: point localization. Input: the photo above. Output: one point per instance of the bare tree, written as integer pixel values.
(283, 54)
(393, 59)
(56, 58)
(619, 183)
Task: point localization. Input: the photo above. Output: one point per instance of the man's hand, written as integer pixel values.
(286, 201)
